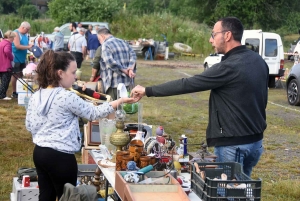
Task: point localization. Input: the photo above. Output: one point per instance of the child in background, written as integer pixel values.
(31, 66)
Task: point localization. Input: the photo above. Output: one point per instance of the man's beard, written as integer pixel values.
(221, 48)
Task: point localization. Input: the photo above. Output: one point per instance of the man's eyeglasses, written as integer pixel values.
(214, 34)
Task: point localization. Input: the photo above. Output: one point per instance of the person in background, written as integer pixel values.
(96, 66)
(19, 47)
(1, 35)
(6, 58)
(77, 46)
(52, 119)
(73, 28)
(296, 58)
(88, 32)
(93, 43)
(118, 62)
(79, 26)
(31, 66)
(58, 40)
(237, 120)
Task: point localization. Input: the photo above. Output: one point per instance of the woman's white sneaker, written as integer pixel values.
(6, 98)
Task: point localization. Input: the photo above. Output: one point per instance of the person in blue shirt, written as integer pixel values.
(19, 47)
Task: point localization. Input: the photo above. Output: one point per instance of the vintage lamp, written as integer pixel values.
(120, 138)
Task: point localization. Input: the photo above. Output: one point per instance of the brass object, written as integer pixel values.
(119, 138)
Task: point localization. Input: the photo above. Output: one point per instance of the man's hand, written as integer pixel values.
(138, 92)
(129, 72)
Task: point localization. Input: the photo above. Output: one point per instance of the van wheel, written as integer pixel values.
(293, 95)
(271, 83)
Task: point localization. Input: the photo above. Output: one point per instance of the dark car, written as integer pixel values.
(293, 85)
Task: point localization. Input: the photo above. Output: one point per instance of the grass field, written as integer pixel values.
(279, 167)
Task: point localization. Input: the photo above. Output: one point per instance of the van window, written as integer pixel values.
(66, 31)
(252, 44)
(271, 48)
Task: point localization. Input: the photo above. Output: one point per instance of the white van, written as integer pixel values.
(269, 46)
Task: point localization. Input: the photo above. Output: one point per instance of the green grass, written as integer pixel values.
(183, 114)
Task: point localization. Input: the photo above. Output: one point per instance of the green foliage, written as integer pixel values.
(138, 6)
(12, 22)
(129, 26)
(83, 10)
(11, 6)
(28, 11)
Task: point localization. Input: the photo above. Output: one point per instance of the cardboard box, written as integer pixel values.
(21, 97)
(128, 191)
(20, 88)
(154, 192)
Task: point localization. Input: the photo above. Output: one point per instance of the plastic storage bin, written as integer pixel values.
(86, 169)
(215, 189)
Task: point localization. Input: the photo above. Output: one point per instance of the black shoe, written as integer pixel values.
(14, 95)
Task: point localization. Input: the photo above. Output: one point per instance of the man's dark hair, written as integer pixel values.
(234, 25)
(74, 24)
(103, 30)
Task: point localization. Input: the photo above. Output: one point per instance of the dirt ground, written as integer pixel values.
(172, 63)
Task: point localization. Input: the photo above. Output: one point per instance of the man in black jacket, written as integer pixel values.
(238, 98)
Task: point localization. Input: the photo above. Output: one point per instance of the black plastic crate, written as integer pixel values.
(212, 189)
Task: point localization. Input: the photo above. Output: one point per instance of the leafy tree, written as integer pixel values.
(11, 6)
(138, 6)
(83, 10)
(28, 11)
(198, 10)
(264, 14)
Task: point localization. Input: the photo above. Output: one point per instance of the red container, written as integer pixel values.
(26, 181)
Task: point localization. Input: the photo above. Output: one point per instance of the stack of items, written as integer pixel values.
(25, 88)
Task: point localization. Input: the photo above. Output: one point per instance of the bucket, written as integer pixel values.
(107, 127)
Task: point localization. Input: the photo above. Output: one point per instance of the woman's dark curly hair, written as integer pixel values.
(48, 66)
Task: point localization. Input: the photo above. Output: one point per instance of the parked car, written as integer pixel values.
(293, 85)
(211, 60)
(269, 46)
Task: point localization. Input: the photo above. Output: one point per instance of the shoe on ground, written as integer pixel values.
(14, 95)
(6, 98)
